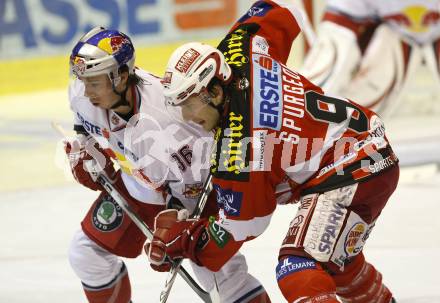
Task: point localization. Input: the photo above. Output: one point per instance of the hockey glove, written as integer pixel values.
(175, 236)
(84, 148)
(164, 267)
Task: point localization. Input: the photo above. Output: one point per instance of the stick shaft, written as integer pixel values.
(195, 215)
(113, 192)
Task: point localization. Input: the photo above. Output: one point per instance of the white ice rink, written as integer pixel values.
(37, 226)
(40, 211)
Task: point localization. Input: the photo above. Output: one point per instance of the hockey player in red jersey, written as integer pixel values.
(368, 50)
(111, 101)
(280, 140)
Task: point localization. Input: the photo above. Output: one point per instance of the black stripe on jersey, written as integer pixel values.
(340, 180)
(79, 129)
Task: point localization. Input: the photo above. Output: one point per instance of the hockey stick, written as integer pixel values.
(101, 179)
(178, 263)
(114, 193)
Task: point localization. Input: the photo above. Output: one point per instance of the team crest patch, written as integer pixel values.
(107, 215)
(192, 191)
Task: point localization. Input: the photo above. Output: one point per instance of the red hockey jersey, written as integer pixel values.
(281, 136)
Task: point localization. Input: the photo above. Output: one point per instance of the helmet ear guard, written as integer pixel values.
(191, 68)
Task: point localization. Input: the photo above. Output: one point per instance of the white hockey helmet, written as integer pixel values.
(102, 51)
(190, 69)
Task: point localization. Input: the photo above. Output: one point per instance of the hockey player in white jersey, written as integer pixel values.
(120, 115)
(367, 50)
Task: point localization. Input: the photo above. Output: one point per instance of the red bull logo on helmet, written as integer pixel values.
(113, 44)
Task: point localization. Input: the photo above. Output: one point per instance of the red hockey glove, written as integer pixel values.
(164, 267)
(176, 236)
(82, 149)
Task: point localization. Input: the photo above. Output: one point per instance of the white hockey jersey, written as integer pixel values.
(156, 154)
(417, 20)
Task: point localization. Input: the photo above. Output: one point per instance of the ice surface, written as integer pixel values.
(37, 226)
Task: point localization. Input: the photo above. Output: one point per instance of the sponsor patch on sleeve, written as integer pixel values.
(218, 233)
(267, 92)
(259, 9)
(260, 45)
(229, 200)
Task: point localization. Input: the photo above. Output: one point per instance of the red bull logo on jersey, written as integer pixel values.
(267, 95)
(415, 18)
(193, 191)
(112, 45)
(105, 133)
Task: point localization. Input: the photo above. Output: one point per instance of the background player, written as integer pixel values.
(367, 50)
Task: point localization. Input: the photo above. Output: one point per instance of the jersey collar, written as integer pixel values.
(115, 121)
